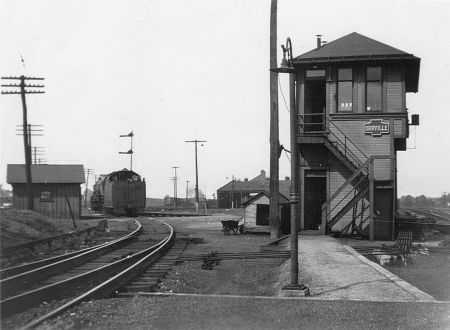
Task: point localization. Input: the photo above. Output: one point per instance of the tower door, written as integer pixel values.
(315, 196)
(315, 104)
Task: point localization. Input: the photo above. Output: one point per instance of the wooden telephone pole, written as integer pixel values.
(274, 212)
(175, 186)
(197, 201)
(23, 85)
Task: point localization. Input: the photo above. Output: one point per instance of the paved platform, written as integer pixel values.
(334, 271)
(190, 311)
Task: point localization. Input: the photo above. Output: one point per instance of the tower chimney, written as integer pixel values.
(319, 40)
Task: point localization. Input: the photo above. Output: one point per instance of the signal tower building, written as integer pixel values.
(352, 120)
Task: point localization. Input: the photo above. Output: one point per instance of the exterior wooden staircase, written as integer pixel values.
(351, 200)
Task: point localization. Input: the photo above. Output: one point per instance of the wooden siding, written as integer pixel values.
(337, 175)
(250, 215)
(399, 128)
(370, 145)
(57, 206)
(250, 210)
(394, 89)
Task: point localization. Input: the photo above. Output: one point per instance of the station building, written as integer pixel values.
(56, 188)
(236, 192)
(352, 120)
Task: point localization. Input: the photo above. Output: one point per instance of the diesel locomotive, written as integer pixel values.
(119, 193)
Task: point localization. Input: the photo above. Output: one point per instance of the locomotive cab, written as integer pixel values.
(124, 193)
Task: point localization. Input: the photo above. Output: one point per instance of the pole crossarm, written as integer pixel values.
(130, 151)
(25, 85)
(25, 92)
(23, 77)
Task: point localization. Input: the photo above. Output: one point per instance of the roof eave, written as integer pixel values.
(412, 62)
(336, 59)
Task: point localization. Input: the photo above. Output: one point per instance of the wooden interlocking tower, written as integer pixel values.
(352, 120)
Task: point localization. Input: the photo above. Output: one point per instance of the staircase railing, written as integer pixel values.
(320, 123)
(345, 145)
(335, 206)
(312, 122)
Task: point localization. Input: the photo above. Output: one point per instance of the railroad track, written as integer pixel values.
(149, 280)
(97, 278)
(168, 214)
(437, 219)
(20, 278)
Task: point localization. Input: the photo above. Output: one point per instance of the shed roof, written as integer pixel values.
(46, 173)
(357, 47)
(283, 200)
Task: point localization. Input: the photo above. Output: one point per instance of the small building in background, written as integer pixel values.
(56, 189)
(236, 192)
(256, 211)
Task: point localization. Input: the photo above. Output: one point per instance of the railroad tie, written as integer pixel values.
(148, 281)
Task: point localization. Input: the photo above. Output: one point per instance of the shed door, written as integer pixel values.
(262, 215)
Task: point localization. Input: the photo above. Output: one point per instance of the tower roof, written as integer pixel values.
(357, 47)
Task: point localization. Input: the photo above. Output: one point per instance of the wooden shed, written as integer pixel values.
(256, 211)
(56, 188)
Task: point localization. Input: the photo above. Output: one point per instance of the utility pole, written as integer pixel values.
(129, 152)
(187, 190)
(175, 186)
(233, 180)
(37, 153)
(197, 202)
(274, 217)
(88, 171)
(23, 85)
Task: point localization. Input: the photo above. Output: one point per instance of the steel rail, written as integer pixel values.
(12, 285)
(123, 271)
(15, 270)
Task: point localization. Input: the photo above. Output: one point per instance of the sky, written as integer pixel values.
(175, 70)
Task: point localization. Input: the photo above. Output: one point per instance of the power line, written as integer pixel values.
(282, 94)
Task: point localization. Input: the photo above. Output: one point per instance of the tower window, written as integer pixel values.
(345, 90)
(373, 89)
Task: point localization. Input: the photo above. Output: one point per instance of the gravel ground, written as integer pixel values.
(240, 277)
(202, 312)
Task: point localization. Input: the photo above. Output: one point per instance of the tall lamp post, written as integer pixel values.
(288, 67)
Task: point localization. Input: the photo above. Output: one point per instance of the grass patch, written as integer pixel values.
(430, 273)
(22, 226)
